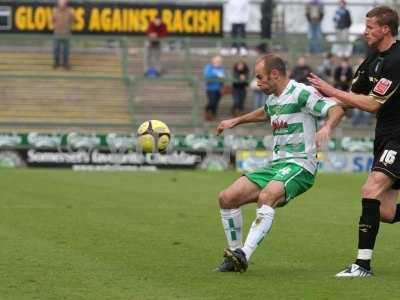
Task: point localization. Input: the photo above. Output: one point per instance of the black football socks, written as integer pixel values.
(367, 231)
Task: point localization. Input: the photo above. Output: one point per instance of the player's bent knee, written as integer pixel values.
(268, 197)
(224, 200)
(370, 191)
(387, 215)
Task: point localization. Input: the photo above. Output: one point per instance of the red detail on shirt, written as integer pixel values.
(382, 86)
(278, 124)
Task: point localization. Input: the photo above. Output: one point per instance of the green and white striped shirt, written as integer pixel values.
(294, 123)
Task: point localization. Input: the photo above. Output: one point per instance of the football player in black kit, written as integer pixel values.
(376, 89)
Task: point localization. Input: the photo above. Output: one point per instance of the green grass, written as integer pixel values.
(157, 235)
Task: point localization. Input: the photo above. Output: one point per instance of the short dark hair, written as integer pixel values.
(386, 16)
(273, 61)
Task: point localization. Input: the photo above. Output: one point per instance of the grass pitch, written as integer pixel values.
(157, 235)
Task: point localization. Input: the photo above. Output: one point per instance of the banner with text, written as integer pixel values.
(119, 142)
(116, 18)
(328, 161)
(119, 151)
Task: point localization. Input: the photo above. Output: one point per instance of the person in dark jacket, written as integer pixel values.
(326, 69)
(343, 75)
(239, 87)
(301, 71)
(267, 12)
(343, 21)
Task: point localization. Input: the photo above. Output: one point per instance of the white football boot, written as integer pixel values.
(354, 271)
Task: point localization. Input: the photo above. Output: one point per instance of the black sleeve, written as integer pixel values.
(388, 84)
(361, 83)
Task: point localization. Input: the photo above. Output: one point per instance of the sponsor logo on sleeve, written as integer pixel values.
(382, 86)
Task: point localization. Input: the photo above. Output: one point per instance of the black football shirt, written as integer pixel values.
(379, 77)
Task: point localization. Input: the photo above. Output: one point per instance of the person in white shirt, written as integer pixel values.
(238, 12)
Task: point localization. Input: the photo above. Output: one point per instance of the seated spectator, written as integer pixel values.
(152, 61)
(326, 69)
(301, 71)
(239, 87)
(214, 75)
(343, 75)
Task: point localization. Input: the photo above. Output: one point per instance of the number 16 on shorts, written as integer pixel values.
(388, 157)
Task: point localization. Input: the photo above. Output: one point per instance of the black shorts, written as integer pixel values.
(387, 158)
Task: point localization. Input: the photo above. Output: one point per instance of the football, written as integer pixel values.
(153, 136)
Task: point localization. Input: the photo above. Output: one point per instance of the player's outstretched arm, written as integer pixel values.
(346, 99)
(257, 115)
(335, 115)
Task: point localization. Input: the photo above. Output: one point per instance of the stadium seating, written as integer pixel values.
(181, 83)
(106, 91)
(91, 95)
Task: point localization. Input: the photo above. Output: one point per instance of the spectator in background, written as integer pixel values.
(239, 87)
(301, 71)
(342, 19)
(326, 69)
(360, 117)
(63, 19)
(152, 61)
(267, 12)
(214, 75)
(238, 12)
(314, 15)
(259, 97)
(343, 75)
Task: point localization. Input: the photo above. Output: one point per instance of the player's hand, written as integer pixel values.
(321, 85)
(323, 136)
(226, 124)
